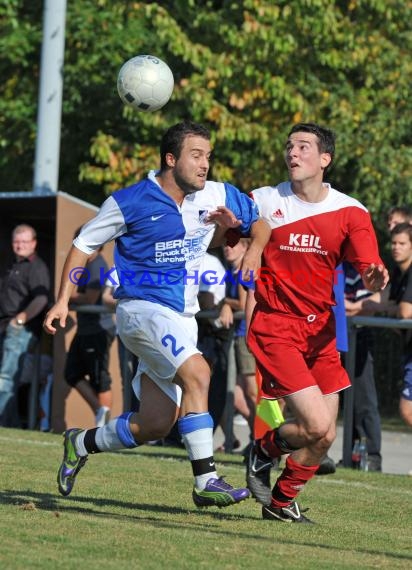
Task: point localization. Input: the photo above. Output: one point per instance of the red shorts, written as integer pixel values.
(292, 353)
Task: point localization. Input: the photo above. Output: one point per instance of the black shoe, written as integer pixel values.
(258, 476)
(375, 463)
(326, 467)
(289, 514)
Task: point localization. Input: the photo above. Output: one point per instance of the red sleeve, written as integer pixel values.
(361, 246)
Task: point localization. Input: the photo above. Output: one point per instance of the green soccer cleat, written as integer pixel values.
(218, 493)
(71, 464)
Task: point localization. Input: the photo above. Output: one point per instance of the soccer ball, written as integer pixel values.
(145, 83)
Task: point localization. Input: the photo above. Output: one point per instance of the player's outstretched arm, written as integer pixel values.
(375, 277)
(73, 266)
(250, 306)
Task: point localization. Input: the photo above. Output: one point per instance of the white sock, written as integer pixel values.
(197, 437)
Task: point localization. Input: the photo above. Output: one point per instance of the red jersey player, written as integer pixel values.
(292, 329)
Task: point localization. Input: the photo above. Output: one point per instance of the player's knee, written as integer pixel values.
(328, 438)
(317, 432)
(196, 379)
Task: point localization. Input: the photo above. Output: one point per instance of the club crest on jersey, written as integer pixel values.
(203, 216)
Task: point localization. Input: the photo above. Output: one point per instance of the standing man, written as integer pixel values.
(366, 416)
(24, 293)
(163, 226)
(396, 301)
(292, 331)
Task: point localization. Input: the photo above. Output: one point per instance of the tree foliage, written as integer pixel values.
(248, 69)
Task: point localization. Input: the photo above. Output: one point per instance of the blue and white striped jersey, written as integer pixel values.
(159, 245)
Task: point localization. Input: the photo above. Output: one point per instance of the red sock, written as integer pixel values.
(291, 481)
(274, 445)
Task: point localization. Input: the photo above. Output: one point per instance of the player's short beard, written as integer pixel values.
(185, 185)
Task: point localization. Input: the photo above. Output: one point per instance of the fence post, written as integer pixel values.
(230, 397)
(348, 398)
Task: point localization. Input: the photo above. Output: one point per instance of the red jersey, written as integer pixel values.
(308, 241)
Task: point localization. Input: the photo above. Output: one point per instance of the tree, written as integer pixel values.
(248, 69)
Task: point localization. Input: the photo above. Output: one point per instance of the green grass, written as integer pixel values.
(133, 509)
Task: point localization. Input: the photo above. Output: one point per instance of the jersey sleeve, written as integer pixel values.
(242, 206)
(108, 224)
(361, 246)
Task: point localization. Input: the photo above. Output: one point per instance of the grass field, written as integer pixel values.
(133, 510)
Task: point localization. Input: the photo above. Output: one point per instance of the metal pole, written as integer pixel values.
(348, 399)
(230, 396)
(46, 166)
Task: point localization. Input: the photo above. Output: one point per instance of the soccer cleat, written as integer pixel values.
(258, 476)
(71, 464)
(218, 493)
(289, 514)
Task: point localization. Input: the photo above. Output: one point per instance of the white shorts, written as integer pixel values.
(161, 338)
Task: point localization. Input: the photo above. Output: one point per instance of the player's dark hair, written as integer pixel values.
(172, 140)
(326, 137)
(403, 228)
(404, 211)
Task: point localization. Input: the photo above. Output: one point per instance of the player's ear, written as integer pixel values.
(325, 159)
(170, 160)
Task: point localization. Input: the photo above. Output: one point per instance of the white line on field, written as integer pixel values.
(28, 441)
(364, 485)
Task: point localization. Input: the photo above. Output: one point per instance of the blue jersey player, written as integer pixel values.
(162, 227)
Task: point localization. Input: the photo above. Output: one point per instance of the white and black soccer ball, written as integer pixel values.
(145, 83)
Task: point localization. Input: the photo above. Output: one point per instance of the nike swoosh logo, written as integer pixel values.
(211, 463)
(154, 218)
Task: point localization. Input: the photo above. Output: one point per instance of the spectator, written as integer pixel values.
(214, 337)
(87, 364)
(398, 215)
(24, 293)
(367, 421)
(127, 360)
(396, 301)
(235, 300)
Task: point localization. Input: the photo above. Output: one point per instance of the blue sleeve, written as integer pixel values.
(242, 206)
(339, 310)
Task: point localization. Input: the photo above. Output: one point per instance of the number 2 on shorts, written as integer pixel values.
(170, 339)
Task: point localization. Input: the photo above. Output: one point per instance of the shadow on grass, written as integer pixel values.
(48, 502)
(78, 506)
